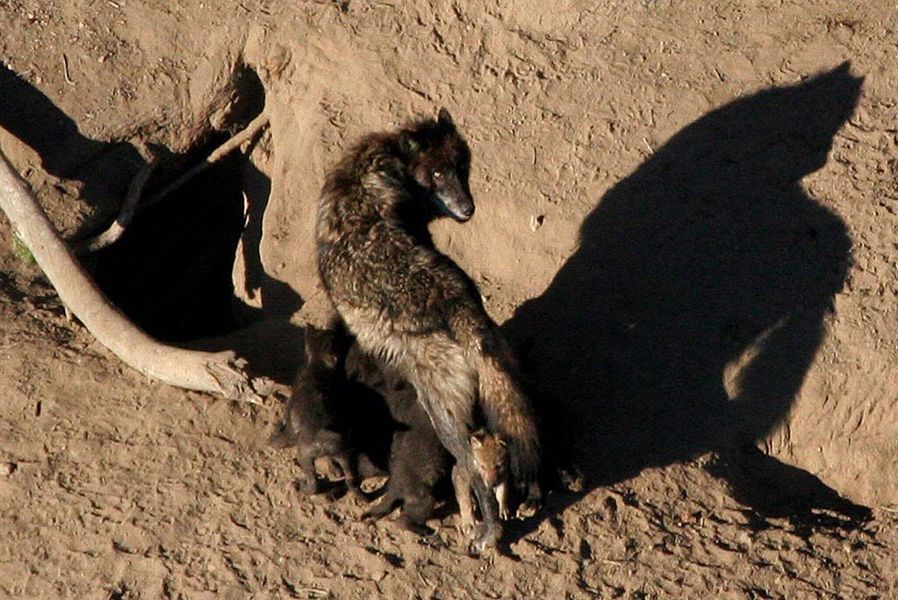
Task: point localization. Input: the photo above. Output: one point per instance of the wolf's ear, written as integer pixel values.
(444, 118)
(408, 145)
(315, 340)
(320, 346)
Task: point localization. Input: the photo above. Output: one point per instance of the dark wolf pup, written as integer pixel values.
(329, 416)
(418, 461)
(413, 307)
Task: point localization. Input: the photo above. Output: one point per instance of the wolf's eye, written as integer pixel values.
(437, 174)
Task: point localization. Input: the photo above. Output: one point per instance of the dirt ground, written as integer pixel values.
(686, 218)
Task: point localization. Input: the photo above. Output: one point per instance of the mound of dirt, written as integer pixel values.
(685, 220)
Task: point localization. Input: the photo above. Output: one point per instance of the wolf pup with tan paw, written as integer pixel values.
(314, 422)
(418, 461)
(412, 306)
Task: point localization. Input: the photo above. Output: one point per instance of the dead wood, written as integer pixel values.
(135, 191)
(220, 373)
(231, 144)
(129, 206)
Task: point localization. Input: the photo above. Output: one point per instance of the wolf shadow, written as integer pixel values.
(710, 253)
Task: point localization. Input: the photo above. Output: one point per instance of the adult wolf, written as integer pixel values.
(413, 307)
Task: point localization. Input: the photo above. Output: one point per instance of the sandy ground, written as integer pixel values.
(686, 214)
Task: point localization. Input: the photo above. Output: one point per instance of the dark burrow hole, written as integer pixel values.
(171, 271)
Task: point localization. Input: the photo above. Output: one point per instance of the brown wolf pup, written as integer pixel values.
(491, 461)
(413, 307)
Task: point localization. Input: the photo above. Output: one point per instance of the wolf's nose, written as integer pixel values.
(467, 211)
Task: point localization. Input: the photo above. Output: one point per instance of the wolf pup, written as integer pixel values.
(315, 420)
(418, 461)
(413, 307)
(491, 460)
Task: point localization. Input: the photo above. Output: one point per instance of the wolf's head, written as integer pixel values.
(322, 348)
(490, 456)
(439, 160)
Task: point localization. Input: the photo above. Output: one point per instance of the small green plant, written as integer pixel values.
(22, 251)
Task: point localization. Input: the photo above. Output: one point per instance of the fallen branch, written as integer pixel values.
(135, 191)
(220, 373)
(232, 143)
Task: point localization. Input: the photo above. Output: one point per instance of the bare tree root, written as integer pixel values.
(129, 207)
(234, 142)
(220, 373)
(135, 190)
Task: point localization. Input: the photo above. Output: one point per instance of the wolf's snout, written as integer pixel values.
(458, 206)
(462, 211)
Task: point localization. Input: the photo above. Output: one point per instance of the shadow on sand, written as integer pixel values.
(709, 255)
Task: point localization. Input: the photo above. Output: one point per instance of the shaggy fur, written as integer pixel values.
(413, 307)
